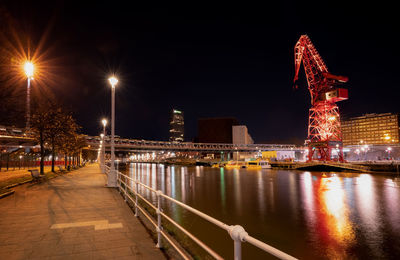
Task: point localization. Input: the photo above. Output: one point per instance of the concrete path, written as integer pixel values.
(74, 217)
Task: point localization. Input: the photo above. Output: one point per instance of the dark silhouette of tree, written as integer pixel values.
(39, 124)
(56, 130)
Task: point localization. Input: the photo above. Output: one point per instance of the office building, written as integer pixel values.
(176, 126)
(373, 129)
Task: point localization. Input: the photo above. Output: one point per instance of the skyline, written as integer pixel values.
(225, 61)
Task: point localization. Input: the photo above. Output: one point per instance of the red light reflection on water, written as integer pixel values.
(333, 226)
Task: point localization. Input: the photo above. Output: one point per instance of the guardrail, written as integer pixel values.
(236, 232)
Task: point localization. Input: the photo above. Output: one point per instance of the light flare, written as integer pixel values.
(29, 69)
(113, 81)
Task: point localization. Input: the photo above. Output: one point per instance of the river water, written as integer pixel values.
(309, 215)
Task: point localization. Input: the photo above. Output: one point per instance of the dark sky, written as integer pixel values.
(209, 60)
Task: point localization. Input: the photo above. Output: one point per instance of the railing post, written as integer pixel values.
(118, 183)
(159, 227)
(126, 188)
(238, 234)
(136, 199)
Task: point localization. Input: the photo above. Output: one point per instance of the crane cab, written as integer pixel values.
(337, 95)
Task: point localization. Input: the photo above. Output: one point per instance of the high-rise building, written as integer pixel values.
(379, 129)
(176, 126)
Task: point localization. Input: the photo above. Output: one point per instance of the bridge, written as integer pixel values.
(135, 145)
(14, 137)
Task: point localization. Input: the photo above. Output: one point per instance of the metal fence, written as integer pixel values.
(237, 233)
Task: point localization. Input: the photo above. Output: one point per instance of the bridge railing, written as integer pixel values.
(163, 145)
(237, 233)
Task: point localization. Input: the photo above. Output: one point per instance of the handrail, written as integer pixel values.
(237, 233)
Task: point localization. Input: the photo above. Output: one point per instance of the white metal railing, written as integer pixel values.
(236, 232)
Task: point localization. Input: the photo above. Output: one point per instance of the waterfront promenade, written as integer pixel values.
(72, 216)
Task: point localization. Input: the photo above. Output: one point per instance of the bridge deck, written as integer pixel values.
(72, 217)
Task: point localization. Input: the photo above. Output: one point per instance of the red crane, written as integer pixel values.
(324, 132)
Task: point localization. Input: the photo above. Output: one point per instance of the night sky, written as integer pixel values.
(209, 60)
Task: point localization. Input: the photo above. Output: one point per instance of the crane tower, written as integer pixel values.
(324, 132)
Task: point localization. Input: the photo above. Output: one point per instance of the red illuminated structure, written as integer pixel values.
(324, 132)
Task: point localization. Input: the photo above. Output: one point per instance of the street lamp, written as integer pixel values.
(112, 177)
(103, 145)
(389, 149)
(29, 69)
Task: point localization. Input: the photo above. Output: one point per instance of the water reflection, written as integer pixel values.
(308, 214)
(336, 230)
(293, 194)
(183, 183)
(271, 196)
(308, 202)
(222, 183)
(260, 192)
(368, 210)
(162, 176)
(237, 191)
(173, 190)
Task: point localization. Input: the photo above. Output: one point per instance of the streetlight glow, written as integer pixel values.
(113, 81)
(104, 122)
(28, 68)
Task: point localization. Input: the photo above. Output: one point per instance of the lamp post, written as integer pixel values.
(101, 155)
(389, 149)
(112, 177)
(103, 145)
(28, 68)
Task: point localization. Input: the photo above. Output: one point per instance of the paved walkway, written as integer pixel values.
(74, 217)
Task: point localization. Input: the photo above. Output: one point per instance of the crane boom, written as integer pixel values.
(319, 79)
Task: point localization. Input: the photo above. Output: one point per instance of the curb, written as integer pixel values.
(8, 193)
(16, 184)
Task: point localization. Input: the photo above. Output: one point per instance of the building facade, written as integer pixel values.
(176, 126)
(240, 135)
(374, 129)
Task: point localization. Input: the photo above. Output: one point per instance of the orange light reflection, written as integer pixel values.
(335, 226)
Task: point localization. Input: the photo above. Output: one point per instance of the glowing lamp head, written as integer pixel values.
(28, 68)
(113, 81)
(104, 122)
(101, 135)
